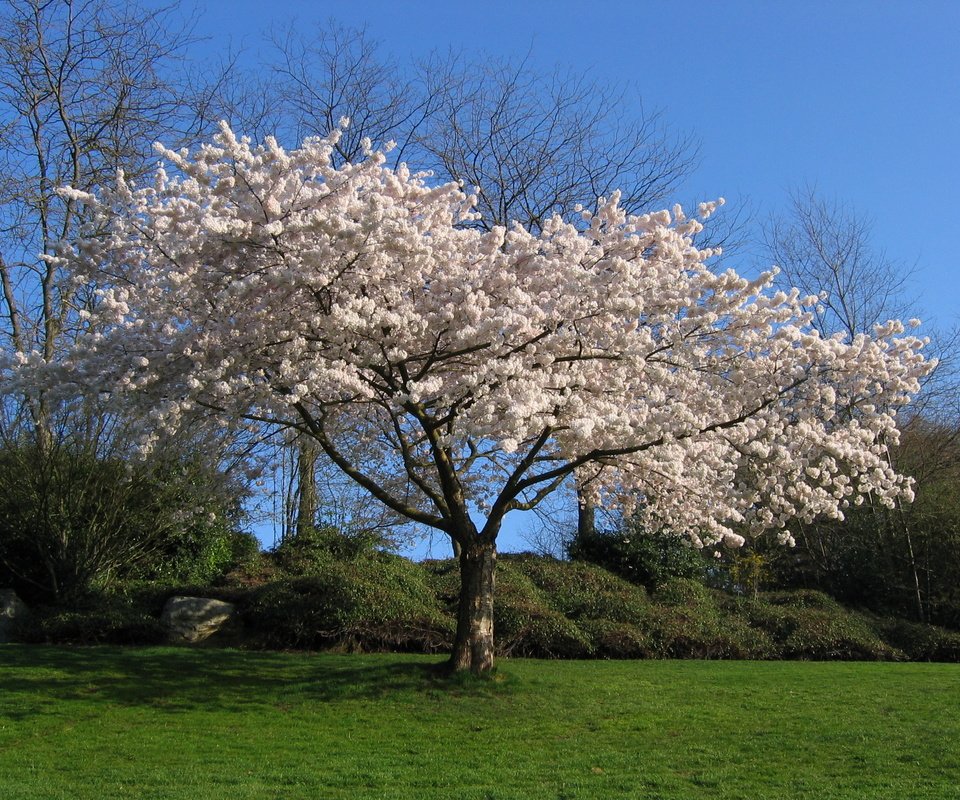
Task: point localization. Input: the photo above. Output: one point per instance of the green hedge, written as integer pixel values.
(682, 632)
(612, 639)
(583, 591)
(920, 642)
(691, 621)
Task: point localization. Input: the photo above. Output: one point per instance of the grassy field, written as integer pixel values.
(180, 723)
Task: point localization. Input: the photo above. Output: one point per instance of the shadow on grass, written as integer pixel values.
(182, 679)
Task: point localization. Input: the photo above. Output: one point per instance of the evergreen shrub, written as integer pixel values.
(920, 642)
(612, 639)
(824, 631)
(677, 630)
(310, 551)
(373, 603)
(687, 593)
(641, 557)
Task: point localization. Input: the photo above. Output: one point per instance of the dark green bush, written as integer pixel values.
(73, 521)
(645, 558)
(240, 596)
(310, 551)
(802, 598)
(821, 636)
(531, 632)
(297, 613)
(254, 569)
(527, 625)
(679, 631)
(612, 639)
(444, 580)
(375, 603)
(115, 623)
(685, 592)
(920, 642)
(143, 597)
(198, 554)
(824, 631)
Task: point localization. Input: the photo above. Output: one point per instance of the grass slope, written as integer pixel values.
(180, 723)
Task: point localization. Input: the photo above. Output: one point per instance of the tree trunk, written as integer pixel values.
(473, 646)
(307, 457)
(914, 574)
(586, 518)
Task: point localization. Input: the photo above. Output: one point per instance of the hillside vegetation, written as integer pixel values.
(324, 595)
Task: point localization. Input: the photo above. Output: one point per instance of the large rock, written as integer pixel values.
(192, 619)
(12, 611)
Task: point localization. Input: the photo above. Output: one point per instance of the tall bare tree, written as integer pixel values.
(334, 72)
(825, 247)
(537, 144)
(85, 86)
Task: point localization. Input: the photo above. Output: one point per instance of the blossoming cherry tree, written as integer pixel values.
(459, 375)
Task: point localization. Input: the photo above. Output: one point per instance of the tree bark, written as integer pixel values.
(586, 518)
(307, 456)
(473, 646)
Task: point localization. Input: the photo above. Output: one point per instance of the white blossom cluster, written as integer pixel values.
(450, 365)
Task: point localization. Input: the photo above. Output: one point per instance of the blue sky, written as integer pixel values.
(861, 99)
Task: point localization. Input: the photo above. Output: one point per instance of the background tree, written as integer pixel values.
(84, 89)
(826, 248)
(451, 371)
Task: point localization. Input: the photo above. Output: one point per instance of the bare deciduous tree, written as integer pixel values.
(826, 248)
(85, 87)
(536, 145)
(337, 72)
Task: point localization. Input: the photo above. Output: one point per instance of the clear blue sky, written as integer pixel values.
(860, 98)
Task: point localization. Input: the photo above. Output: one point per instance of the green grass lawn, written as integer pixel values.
(182, 723)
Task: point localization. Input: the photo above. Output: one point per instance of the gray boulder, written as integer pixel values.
(12, 611)
(193, 619)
